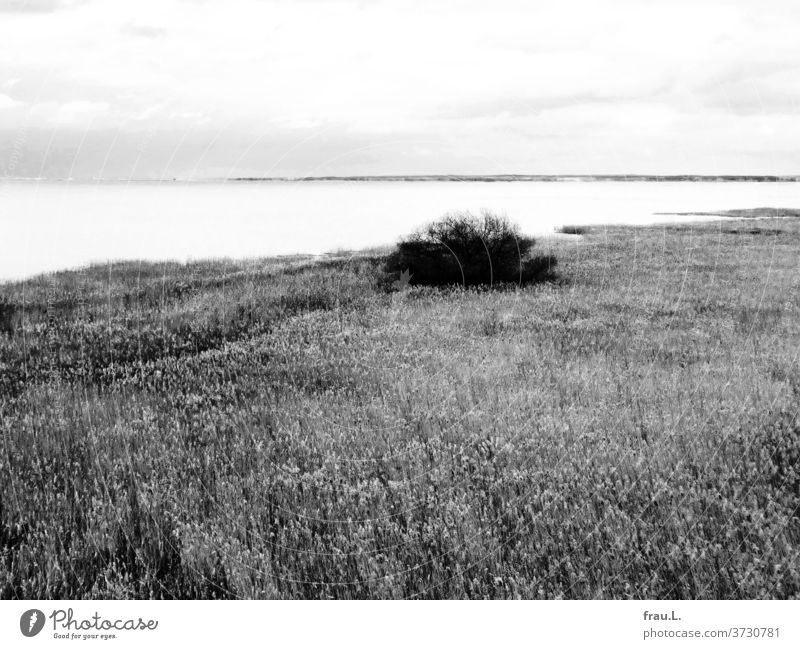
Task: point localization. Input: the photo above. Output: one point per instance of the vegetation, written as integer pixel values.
(7, 313)
(468, 250)
(287, 428)
(572, 229)
(748, 213)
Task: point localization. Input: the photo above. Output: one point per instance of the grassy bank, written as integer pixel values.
(287, 428)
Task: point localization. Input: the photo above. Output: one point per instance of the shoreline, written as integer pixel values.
(443, 178)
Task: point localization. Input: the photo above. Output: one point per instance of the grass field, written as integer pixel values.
(288, 428)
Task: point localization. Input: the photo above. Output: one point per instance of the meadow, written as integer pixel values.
(291, 428)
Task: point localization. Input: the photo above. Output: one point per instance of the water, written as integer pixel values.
(50, 226)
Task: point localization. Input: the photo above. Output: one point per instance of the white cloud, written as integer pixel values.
(35, 6)
(8, 102)
(77, 114)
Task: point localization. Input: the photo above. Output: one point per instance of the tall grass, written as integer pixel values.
(287, 429)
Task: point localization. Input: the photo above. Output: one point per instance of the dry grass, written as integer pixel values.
(286, 429)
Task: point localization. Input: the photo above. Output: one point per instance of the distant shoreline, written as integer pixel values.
(554, 178)
(530, 178)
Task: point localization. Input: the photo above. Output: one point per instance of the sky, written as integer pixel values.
(196, 89)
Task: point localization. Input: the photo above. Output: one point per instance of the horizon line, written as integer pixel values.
(553, 177)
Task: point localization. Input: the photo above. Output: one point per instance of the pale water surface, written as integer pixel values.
(54, 225)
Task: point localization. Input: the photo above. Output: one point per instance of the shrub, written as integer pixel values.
(465, 249)
(572, 229)
(7, 311)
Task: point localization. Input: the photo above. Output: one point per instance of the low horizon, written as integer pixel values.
(510, 177)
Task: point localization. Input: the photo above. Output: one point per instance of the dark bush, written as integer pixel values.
(7, 311)
(572, 229)
(469, 250)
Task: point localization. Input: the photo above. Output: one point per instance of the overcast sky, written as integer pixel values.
(197, 89)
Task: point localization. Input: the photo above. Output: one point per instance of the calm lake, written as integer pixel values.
(56, 225)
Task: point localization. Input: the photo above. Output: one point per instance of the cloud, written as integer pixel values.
(80, 112)
(76, 113)
(8, 102)
(144, 31)
(36, 6)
